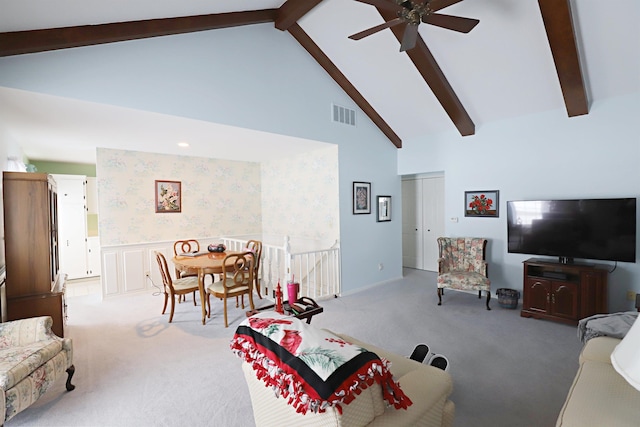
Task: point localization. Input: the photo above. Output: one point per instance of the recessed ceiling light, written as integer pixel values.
(183, 144)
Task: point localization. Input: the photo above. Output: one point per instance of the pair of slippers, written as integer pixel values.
(422, 353)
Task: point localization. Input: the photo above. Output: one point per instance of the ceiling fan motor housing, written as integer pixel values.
(413, 11)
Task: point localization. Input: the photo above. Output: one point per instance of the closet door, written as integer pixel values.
(72, 227)
(432, 220)
(412, 246)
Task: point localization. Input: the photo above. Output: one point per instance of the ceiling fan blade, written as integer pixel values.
(384, 4)
(372, 30)
(409, 38)
(436, 5)
(455, 23)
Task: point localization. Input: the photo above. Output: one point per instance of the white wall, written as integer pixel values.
(255, 77)
(300, 197)
(539, 156)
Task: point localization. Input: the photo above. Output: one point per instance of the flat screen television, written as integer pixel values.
(598, 229)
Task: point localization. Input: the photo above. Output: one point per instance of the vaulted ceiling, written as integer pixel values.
(523, 57)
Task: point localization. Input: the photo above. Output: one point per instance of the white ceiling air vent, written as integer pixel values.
(343, 115)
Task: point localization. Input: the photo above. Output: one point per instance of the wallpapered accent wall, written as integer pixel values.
(219, 197)
(301, 196)
(297, 196)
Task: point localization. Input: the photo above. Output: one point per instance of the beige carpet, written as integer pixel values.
(135, 369)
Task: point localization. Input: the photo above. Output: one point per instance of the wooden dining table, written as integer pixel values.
(206, 263)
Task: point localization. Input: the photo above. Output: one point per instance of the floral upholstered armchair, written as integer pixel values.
(31, 359)
(461, 266)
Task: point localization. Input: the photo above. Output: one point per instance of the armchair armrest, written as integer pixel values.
(25, 331)
(478, 266)
(482, 268)
(442, 266)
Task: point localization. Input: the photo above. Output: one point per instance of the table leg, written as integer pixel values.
(202, 295)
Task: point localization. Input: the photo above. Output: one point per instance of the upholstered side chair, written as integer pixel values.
(462, 266)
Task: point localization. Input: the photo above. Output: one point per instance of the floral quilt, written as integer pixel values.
(310, 367)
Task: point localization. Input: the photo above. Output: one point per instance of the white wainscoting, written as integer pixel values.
(125, 267)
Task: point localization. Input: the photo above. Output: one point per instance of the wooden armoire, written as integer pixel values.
(34, 286)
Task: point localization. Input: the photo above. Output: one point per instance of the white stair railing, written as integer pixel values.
(317, 271)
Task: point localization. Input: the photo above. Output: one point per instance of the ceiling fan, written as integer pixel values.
(410, 13)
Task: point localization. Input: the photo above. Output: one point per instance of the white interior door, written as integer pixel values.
(72, 227)
(412, 246)
(432, 219)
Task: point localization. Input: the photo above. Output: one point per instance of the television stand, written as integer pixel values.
(563, 292)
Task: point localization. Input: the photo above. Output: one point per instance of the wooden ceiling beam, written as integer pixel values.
(21, 42)
(324, 61)
(292, 10)
(558, 24)
(434, 77)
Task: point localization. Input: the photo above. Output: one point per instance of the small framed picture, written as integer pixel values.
(361, 198)
(168, 196)
(384, 208)
(481, 203)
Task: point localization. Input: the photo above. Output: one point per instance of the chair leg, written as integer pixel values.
(226, 323)
(173, 306)
(194, 298)
(208, 306)
(440, 291)
(488, 298)
(70, 372)
(251, 302)
(257, 283)
(166, 298)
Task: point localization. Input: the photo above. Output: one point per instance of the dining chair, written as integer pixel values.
(237, 280)
(186, 246)
(175, 287)
(182, 247)
(255, 246)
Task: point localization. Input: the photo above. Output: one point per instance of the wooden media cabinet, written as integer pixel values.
(563, 292)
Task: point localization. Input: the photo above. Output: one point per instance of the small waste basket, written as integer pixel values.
(508, 298)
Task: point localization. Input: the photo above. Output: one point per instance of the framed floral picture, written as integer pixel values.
(481, 203)
(168, 196)
(361, 198)
(384, 208)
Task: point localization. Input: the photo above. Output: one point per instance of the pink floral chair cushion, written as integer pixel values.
(462, 265)
(31, 359)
